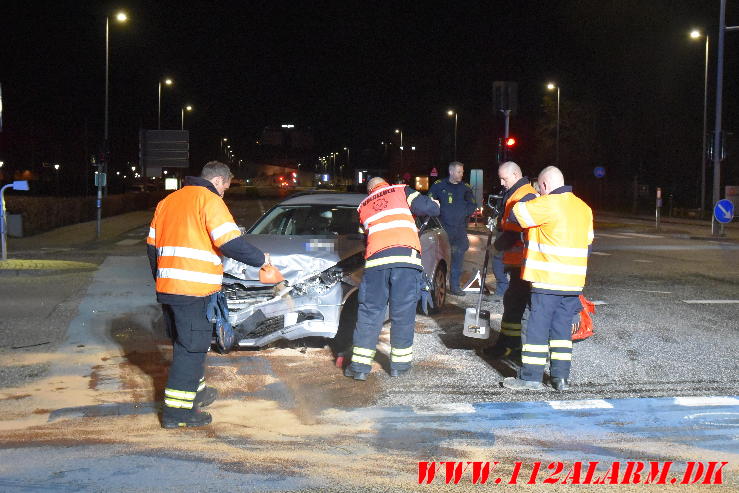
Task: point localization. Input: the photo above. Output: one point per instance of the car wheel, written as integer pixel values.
(438, 288)
(341, 344)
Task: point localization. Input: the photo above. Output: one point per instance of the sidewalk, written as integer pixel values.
(693, 228)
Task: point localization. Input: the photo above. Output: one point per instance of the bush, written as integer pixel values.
(45, 213)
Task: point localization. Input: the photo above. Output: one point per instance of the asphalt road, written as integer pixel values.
(656, 382)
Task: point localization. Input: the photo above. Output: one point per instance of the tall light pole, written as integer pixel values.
(167, 82)
(347, 157)
(182, 114)
(454, 113)
(551, 86)
(103, 165)
(120, 17)
(399, 131)
(696, 34)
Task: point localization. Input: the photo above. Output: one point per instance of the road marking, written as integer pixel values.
(643, 261)
(129, 242)
(443, 409)
(649, 291)
(641, 235)
(598, 302)
(583, 404)
(601, 253)
(606, 235)
(706, 401)
(710, 302)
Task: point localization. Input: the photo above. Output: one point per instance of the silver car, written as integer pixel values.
(314, 240)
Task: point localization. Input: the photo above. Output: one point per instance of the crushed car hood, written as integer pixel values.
(297, 257)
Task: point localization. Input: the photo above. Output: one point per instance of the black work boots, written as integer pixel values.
(185, 418)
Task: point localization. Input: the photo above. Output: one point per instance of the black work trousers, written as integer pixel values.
(517, 297)
(191, 334)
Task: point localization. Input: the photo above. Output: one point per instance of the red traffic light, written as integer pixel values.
(510, 142)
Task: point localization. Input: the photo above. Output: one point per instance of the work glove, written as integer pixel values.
(425, 294)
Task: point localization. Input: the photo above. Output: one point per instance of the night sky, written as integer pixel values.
(631, 79)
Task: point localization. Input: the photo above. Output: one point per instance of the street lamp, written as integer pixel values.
(167, 82)
(120, 17)
(454, 113)
(696, 34)
(56, 176)
(186, 108)
(551, 86)
(347, 156)
(399, 131)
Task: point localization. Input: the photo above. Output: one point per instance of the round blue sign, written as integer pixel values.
(724, 211)
(599, 172)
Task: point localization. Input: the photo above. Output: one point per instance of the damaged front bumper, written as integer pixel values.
(263, 314)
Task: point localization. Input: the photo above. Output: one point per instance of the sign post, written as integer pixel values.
(658, 210)
(16, 185)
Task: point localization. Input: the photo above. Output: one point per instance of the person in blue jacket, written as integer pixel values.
(457, 204)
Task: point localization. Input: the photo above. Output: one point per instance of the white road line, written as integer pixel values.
(599, 302)
(643, 261)
(650, 291)
(129, 242)
(706, 401)
(641, 235)
(584, 404)
(606, 235)
(441, 409)
(601, 253)
(710, 302)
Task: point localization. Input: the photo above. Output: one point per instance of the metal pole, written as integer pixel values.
(557, 157)
(107, 22)
(401, 150)
(159, 106)
(455, 135)
(3, 226)
(719, 93)
(705, 120)
(182, 126)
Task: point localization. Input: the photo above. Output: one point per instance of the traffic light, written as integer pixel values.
(510, 142)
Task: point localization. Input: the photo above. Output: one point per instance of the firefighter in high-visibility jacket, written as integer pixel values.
(392, 274)
(191, 228)
(560, 236)
(511, 242)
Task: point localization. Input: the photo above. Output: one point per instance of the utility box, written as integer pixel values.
(15, 225)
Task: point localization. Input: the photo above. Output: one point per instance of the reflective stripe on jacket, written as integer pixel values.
(188, 227)
(513, 257)
(560, 232)
(387, 219)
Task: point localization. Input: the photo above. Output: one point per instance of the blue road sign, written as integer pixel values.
(599, 172)
(724, 211)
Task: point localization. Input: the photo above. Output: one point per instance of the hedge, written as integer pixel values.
(43, 213)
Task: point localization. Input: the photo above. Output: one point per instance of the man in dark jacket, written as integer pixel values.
(457, 203)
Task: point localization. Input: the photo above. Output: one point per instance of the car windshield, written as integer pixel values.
(308, 220)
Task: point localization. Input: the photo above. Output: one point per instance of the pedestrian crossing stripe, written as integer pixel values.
(581, 404)
(710, 302)
(706, 401)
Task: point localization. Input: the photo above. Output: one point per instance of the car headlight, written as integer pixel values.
(319, 284)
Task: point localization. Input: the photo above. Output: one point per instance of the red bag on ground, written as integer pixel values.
(582, 326)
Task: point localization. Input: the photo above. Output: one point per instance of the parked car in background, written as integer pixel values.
(314, 239)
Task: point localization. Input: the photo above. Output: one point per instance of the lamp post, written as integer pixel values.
(399, 131)
(167, 82)
(454, 113)
(696, 34)
(551, 86)
(120, 17)
(347, 157)
(182, 113)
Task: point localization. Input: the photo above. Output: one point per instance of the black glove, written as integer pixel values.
(425, 298)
